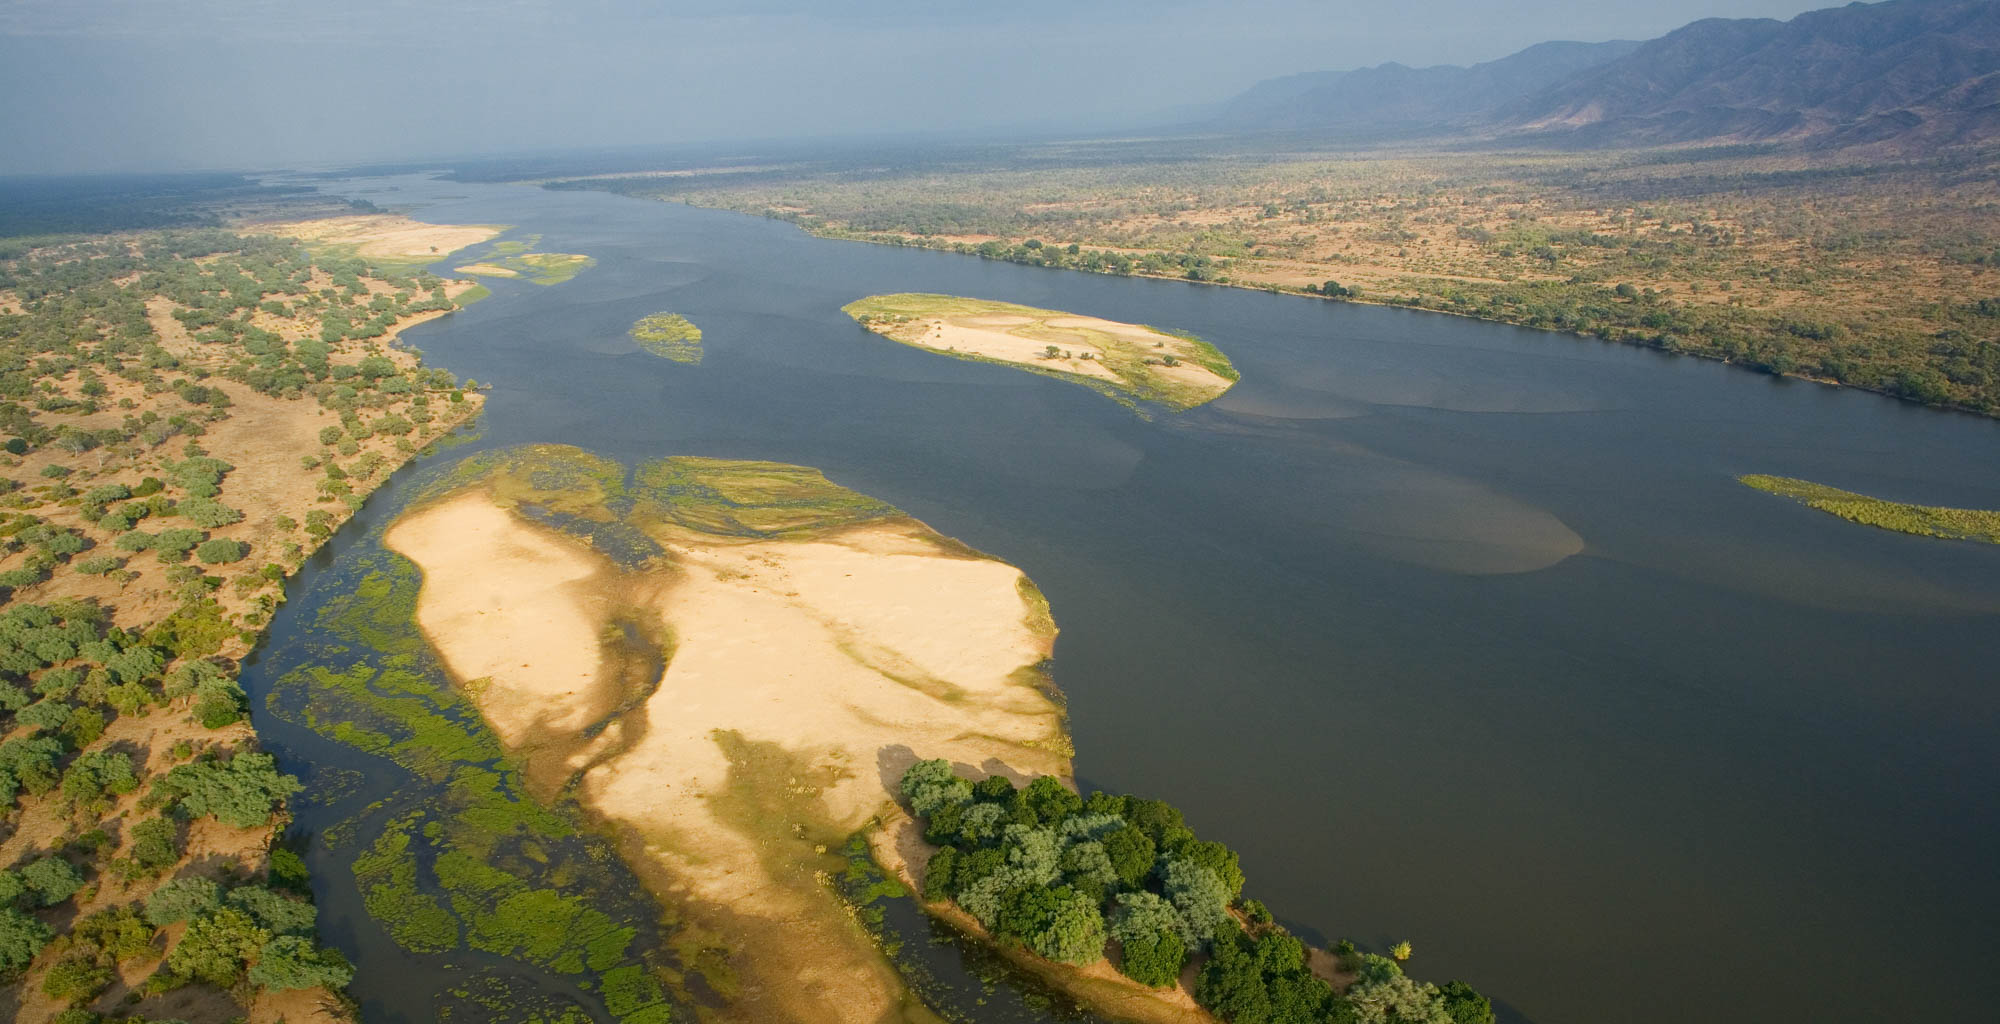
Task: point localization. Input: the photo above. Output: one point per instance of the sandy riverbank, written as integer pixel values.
(384, 236)
(803, 672)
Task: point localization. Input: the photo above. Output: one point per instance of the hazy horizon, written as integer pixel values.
(128, 85)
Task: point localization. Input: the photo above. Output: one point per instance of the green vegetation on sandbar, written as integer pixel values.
(669, 335)
(1130, 363)
(515, 259)
(1922, 520)
(1060, 875)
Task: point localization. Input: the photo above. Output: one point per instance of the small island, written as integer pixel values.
(1972, 524)
(1131, 363)
(669, 336)
(516, 258)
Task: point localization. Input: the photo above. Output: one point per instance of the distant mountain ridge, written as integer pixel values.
(1904, 74)
(1399, 99)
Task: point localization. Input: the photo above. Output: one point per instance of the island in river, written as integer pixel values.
(734, 669)
(1129, 362)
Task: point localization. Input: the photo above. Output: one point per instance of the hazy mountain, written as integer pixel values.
(1395, 98)
(1903, 74)
(1923, 70)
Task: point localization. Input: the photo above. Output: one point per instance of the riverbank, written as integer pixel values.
(807, 644)
(164, 504)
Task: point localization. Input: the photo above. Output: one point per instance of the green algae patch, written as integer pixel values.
(1972, 524)
(736, 498)
(462, 856)
(1129, 363)
(669, 336)
(561, 479)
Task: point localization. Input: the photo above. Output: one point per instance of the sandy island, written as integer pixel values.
(1128, 361)
(808, 660)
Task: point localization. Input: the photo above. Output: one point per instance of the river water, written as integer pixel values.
(1460, 633)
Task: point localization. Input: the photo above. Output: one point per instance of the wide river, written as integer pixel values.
(1460, 633)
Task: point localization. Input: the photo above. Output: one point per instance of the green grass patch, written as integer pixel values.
(1923, 520)
(670, 336)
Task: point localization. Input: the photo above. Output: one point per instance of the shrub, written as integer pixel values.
(221, 550)
(155, 844)
(99, 566)
(292, 962)
(243, 791)
(208, 513)
(21, 938)
(137, 540)
(216, 947)
(174, 545)
(182, 899)
(51, 880)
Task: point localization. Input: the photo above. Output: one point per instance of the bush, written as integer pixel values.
(242, 792)
(221, 550)
(50, 881)
(182, 899)
(208, 513)
(21, 938)
(99, 566)
(137, 540)
(292, 962)
(216, 947)
(174, 545)
(155, 844)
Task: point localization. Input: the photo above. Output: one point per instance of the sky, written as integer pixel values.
(139, 85)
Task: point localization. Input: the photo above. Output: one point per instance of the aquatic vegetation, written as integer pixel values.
(735, 498)
(669, 335)
(1923, 520)
(516, 258)
(463, 857)
(1130, 363)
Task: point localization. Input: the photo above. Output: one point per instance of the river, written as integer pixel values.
(1460, 633)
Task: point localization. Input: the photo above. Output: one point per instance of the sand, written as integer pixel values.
(805, 675)
(487, 270)
(985, 341)
(1129, 361)
(385, 236)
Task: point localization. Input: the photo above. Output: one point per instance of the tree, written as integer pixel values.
(242, 791)
(1385, 995)
(155, 843)
(937, 874)
(182, 899)
(1072, 931)
(1049, 801)
(1465, 1005)
(21, 938)
(216, 947)
(1131, 853)
(1231, 985)
(293, 962)
(280, 915)
(931, 784)
(221, 550)
(51, 880)
(1200, 899)
(1148, 930)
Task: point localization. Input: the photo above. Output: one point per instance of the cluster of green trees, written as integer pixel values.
(1067, 876)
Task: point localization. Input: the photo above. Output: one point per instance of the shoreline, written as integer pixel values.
(917, 242)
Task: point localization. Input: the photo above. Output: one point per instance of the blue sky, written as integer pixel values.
(115, 85)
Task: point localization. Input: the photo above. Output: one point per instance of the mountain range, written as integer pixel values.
(1903, 74)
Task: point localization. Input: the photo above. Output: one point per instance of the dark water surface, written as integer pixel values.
(1460, 633)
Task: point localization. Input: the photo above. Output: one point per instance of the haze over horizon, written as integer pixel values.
(127, 85)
